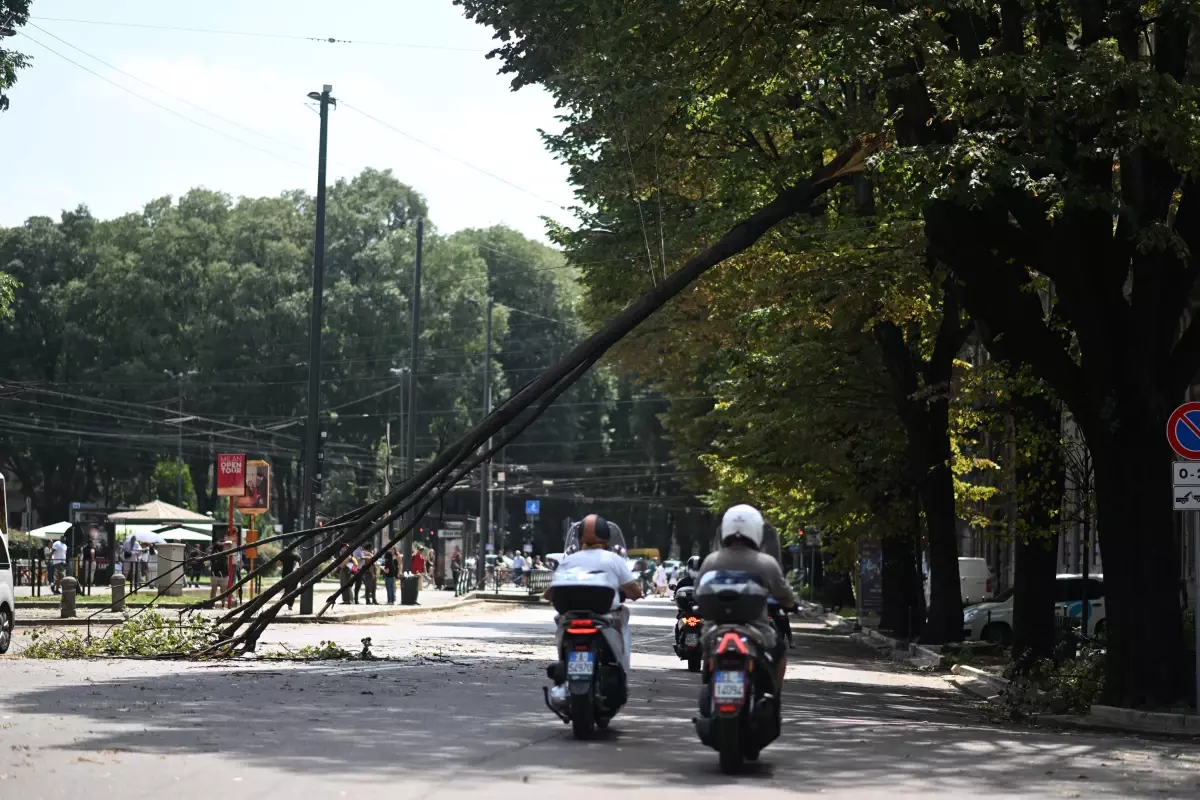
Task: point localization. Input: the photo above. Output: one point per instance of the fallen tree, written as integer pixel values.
(506, 421)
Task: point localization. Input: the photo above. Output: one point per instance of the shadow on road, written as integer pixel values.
(482, 715)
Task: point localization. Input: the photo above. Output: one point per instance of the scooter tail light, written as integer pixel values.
(730, 642)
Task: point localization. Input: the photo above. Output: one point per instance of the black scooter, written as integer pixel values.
(688, 627)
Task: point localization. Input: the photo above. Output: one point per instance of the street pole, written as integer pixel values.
(1196, 596)
(387, 487)
(485, 469)
(179, 451)
(414, 354)
(312, 438)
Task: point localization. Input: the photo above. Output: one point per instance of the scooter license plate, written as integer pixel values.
(729, 686)
(691, 639)
(580, 664)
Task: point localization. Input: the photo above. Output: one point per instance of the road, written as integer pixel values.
(456, 711)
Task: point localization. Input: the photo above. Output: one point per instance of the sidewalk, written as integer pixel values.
(428, 600)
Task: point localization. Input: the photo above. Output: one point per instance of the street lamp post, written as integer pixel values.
(179, 446)
(311, 435)
(485, 468)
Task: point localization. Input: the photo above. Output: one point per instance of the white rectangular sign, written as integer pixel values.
(1185, 473)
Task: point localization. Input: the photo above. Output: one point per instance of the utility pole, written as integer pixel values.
(387, 485)
(414, 355)
(179, 451)
(311, 434)
(485, 469)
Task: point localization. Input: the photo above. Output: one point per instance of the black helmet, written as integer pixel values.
(693, 564)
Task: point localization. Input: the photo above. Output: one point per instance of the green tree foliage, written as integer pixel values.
(207, 297)
(1049, 150)
(13, 14)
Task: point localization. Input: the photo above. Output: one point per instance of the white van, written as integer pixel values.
(993, 622)
(974, 580)
(7, 601)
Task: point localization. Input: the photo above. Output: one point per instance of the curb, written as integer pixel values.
(915, 655)
(290, 620)
(817, 613)
(1182, 726)
(977, 683)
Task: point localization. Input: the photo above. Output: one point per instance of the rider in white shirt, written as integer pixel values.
(595, 556)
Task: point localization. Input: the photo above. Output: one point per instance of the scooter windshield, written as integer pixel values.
(616, 540)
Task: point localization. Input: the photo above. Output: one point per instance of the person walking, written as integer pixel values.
(369, 573)
(89, 565)
(287, 565)
(58, 564)
(660, 581)
(135, 564)
(518, 568)
(391, 569)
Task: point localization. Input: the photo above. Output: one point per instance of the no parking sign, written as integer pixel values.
(1183, 431)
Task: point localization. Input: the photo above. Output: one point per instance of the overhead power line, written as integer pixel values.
(451, 156)
(259, 34)
(157, 104)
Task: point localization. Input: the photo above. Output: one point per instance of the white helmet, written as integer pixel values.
(744, 521)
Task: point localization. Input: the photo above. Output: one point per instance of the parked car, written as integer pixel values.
(993, 621)
(8, 603)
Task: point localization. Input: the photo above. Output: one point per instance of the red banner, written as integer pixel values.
(231, 475)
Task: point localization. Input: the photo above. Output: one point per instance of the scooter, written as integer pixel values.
(739, 710)
(688, 629)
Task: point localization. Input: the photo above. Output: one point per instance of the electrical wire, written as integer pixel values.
(450, 156)
(259, 34)
(159, 105)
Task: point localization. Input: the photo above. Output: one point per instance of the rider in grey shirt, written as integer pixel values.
(741, 536)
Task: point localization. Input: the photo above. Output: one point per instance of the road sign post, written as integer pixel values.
(1183, 434)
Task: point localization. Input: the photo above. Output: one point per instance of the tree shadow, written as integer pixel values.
(476, 715)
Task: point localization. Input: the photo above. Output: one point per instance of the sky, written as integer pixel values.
(72, 138)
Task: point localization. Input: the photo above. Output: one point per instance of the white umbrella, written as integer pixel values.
(52, 531)
(146, 537)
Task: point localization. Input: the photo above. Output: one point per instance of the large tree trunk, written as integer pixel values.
(1145, 664)
(937, 497)
(1039, 487)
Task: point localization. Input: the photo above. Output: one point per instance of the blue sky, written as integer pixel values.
(72, 138)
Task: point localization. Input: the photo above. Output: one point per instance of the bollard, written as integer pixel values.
(69, 586)
(118, 591)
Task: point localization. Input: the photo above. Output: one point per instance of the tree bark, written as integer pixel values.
(922, 394)
(1040, 482)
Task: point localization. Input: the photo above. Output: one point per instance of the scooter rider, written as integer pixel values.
(691, 572)
(741, 538)
(594, 555)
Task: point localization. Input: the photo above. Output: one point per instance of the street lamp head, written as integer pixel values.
(6, 31)
(314, 95)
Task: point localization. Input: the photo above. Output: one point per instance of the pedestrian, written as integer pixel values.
(518, 568)
(219, 573)
(287, 565)
(151, 556)
(391, 568)
(369, 581)
(58, 563)
(89, 565)
(660, 581)
(135, 563)
(418, 563)
(346, 576)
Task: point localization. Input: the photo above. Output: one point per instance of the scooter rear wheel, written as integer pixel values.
(694, 664)
(729, 748)
(583, 716)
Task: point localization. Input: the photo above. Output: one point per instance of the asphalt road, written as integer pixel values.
(456, 711)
